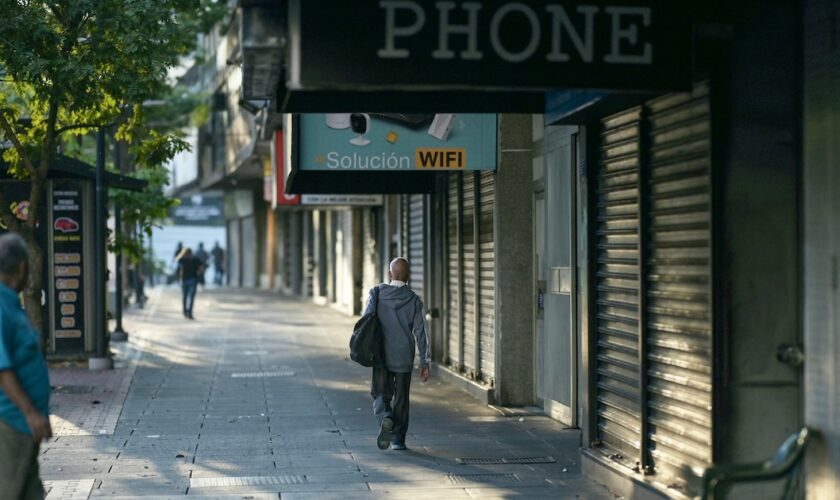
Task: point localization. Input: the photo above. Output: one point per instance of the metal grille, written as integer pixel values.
(482, 478)
(453, 278)
(417, 242)
(262, 374)
(487, 275)
(511, 461)
(678, 330)
(220, 482)
(469, 275)
(654, 330)
(617, 363)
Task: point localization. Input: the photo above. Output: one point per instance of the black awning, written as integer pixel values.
(302, 101)
(65, 167)
(328, 182)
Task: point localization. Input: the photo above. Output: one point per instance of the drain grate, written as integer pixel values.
(262, 374)
(506, 461)
(482, 478)
(221, 482)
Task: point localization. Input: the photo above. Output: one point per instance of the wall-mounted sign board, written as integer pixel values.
(397, 142)
(413, 45)
(378, 153)
(342, 200)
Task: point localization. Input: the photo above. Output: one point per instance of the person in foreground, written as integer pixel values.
(24, 381)
(403, 324)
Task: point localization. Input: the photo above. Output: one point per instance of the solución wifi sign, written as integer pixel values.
(441, 158)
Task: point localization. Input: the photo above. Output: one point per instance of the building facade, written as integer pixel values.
(651, 265)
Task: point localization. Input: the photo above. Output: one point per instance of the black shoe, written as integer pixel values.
(398, 446)
(383, 440)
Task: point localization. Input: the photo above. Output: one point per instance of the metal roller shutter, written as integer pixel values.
(617, 350)
(654, 384)
(416, 243)
(678, 324)
(308, 256)
(487, 275)
(453, 272)
(469, 277)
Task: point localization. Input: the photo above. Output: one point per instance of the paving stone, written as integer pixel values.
(184, 416)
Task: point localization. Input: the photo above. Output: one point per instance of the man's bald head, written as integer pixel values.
(398, 270)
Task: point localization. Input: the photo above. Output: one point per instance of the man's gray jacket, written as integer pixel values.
(403, 323)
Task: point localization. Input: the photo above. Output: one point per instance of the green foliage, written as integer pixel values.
(68, 67)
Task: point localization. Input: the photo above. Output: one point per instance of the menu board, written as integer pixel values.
(67, 237)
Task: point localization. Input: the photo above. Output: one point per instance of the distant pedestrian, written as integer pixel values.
(204, 257)
(189, 268)
(218, 263)
(24, 381)
(403, 323)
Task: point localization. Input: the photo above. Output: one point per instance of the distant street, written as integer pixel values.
(257, 399)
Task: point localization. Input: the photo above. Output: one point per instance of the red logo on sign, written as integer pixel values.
(66, 225)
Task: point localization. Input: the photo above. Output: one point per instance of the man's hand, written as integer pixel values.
(39, 424)
(424, 374)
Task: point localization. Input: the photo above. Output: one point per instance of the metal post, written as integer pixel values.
(101, 361)
(119, 334)
(151, 264)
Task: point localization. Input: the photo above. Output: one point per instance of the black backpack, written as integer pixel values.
(366, 341)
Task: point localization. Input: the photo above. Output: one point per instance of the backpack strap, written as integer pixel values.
(375, 300)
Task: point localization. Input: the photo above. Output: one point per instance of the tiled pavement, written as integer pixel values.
(257, 399)
(86, 403)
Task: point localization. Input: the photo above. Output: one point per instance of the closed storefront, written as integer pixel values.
(416, 242)
(652, 307)
(470, 275)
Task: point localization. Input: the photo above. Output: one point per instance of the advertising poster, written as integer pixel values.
(67, 264)
(393, 142)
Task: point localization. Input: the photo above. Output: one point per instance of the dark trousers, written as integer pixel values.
(390, 399)
(19, 478)
(188, 287)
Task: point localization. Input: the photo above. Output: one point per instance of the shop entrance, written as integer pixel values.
(554, 231)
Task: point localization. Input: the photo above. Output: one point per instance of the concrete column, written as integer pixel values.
(514, 264)
(271, 248)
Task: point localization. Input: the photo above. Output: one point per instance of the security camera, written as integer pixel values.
(360, 124)
(442, 126)
(338, 121)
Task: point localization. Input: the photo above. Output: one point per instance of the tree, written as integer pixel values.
(71, 66)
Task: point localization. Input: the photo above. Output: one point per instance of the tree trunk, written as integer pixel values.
(32, 294)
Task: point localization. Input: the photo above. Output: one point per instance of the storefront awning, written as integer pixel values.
(65, 167)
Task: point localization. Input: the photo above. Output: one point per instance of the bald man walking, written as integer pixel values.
(403, 323)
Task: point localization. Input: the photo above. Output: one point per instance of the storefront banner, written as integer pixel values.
(414, 45)
(347, 200)
(199, 210)
(392, 142)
